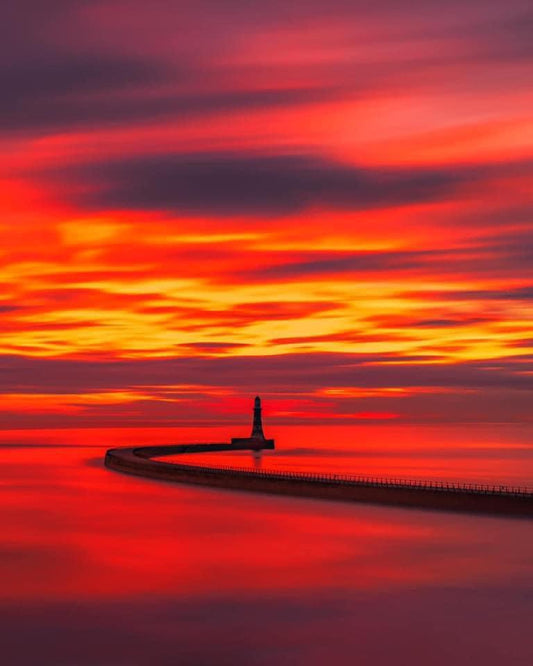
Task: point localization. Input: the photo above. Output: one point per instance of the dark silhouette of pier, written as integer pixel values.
(467, 497)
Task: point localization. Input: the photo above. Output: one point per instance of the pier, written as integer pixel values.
(467, 497)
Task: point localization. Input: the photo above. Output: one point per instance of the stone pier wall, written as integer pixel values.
(140, 462)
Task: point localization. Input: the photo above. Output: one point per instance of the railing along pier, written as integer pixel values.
(445, 495)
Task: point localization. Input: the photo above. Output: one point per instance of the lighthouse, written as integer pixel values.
(257, 427)
(257, 439)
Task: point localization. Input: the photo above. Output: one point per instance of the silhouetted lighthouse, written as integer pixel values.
(257, 439)
(257, 428)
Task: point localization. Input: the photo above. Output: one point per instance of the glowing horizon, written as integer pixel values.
(329, 205)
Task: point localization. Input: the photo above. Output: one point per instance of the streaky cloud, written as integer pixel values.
(227, 184)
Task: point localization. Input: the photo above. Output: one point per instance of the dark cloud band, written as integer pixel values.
(241, 183)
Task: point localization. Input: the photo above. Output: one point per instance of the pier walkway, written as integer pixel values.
(468, 497)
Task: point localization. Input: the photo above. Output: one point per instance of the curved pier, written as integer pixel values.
(473, 498)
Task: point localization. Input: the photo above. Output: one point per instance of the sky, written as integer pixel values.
(328, 204)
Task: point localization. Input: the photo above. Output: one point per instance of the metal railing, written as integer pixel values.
(357, 480)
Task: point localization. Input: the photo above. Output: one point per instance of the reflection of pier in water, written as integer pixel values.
(467, 497)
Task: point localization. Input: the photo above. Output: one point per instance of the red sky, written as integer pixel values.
(326, 203)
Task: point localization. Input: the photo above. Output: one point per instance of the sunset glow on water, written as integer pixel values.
(473, 454)
(91, 552)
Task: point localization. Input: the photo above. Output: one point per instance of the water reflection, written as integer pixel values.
(257, 459)
(495, 455)
(103, 568)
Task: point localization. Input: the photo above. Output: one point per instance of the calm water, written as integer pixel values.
(102, 569)
(480, 454)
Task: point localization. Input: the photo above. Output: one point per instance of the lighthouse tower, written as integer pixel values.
(257, 428)
(257, 439)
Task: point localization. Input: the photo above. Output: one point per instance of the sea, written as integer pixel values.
(99, 568)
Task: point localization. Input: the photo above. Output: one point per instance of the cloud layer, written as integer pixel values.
(336, 199)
